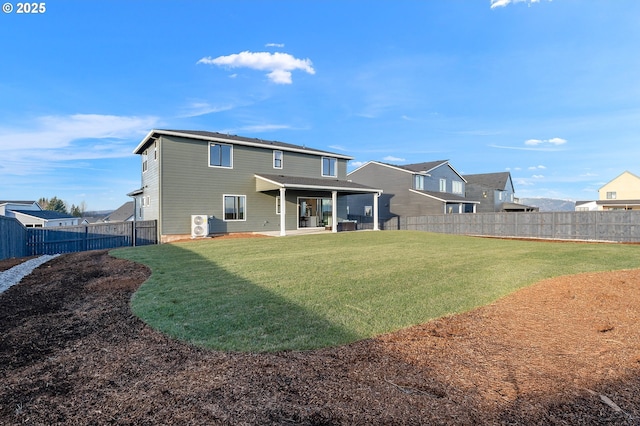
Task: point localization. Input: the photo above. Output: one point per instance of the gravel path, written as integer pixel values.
(14, 275)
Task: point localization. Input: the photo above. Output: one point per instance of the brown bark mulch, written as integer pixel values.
(564, 351)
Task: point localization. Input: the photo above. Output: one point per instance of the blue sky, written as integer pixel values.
(548, 90)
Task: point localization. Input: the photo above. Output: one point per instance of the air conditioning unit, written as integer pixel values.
(199, 225)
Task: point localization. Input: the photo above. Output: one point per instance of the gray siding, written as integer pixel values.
(190, 186)
(397, 200)
(151, 185)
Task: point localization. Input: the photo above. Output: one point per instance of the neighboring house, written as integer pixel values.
(89, 220)
(196, 182)
(411, 190)
(586, 206)
(495, 192)
(7, 206)
(124, 213)
(31, 215)
(44, 218)
(622, 193)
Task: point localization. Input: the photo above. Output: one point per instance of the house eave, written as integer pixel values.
(151, 136)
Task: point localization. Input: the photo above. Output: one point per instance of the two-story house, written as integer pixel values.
(621, 193)
(198, 182)
(494, 192)
(411, 190)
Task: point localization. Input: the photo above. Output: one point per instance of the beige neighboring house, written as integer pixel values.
(622, 193)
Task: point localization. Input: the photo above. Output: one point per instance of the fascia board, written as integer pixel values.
(237, 142)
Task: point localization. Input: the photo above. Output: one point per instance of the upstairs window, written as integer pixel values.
(456, 187)
(612, 195)
(145, 163)
(418, 182)
(329, 166)
(277, 159)
(443, 185)
(220, 155)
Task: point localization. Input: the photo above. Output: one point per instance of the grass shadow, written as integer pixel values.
(222, 310)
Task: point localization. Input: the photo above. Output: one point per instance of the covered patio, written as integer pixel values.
(317, 200)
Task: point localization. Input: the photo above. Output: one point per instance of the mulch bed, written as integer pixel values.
(564, 351)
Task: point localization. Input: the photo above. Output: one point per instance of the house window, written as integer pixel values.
(329, 166)
(277, 159)
(418, 182)
(612, 195)
(443, 185)
(368, 211)
(145, 155)
(220, 155)
(278, 204)
(234, 207)
(155, 151)
(456, 187)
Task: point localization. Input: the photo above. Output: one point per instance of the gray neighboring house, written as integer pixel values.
(124, 213)
(494, 192)
(199, 182)
(411, 190)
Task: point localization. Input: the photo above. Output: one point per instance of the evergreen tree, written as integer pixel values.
(55, 204)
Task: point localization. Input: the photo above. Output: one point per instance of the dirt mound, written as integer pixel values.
(565, 351)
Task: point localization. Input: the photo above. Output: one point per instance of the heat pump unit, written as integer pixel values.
(199, 225)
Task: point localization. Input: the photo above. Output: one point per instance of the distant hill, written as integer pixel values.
(550, 204)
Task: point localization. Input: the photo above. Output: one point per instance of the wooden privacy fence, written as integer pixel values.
(68, 239)
(13, 238)
(619, 226)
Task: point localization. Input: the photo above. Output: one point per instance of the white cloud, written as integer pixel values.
(280, 45)
(557, 141)
(279, 65)
(196, 109)
(48, 141)
(537, 176)
(552, 141)
(394, 159)
(503, 3)
(356, 164)
(537, 167)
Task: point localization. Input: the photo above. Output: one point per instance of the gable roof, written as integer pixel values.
(121, 214)
(422, 168)
(626, 172)
(45, 214)
(233, 139)
(490, 180)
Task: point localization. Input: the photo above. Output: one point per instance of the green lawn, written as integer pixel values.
(305, 292)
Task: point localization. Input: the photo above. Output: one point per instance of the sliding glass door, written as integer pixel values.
(314, 212)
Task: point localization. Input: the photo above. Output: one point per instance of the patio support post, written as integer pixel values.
(376, 197)
(334, 211)
(283, 208)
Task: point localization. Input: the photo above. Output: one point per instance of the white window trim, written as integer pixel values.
(335, 171)
(224, 206)
(145, 160)
(278, 208)
(456, 187)
(443, 183)
(230, 155)
(281, 159)
(417, 178)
